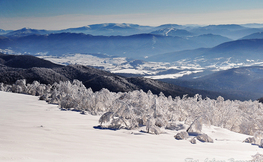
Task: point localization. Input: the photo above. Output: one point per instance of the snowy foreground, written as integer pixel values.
(32, 130)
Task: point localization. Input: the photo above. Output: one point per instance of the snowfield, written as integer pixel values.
(151, 70)
(32, 130)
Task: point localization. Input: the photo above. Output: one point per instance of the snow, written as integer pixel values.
(131, 71)
(173, 76)
(32, 130)
(121, 65)
(166, 34)
(124, 65)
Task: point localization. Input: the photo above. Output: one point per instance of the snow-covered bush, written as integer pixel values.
(258, 136)
(204, 138)
(250, 140)
(181, 135)
(19, 86)
(257, 158)
(193, 140)
(195, 127)
(2, 87)
(131, 110)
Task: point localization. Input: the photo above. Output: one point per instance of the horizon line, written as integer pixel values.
(200, 25)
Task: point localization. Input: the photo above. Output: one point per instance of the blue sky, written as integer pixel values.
(60, 14)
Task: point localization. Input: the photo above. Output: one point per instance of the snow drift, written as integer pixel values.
(33, 130)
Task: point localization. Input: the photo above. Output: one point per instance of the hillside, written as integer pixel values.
(232, 31)
(37, 131)
(245, 83)
(47, 72)
(258, 35)
(173, 32)
(25, 61)
(239, 51)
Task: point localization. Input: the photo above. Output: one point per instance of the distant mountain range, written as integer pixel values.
(110, 29)
(125, 40)
(232, 31)
(239, 50)
(107, 29)
(25, 32)
(134, 46)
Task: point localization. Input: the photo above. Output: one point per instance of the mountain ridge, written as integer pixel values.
(241, 50)
(135, 46)
(244, 82)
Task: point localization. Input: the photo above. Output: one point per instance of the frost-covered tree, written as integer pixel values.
(2, 87)
(19, 86)
(131, 110)
(258, 136)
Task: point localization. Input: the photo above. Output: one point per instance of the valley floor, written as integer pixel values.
(32, 130)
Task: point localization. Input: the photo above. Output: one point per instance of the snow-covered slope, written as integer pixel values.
(32, 130)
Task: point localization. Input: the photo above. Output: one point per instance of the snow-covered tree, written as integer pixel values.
(131, 110)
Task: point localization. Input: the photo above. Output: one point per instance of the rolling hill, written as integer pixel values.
(48, 73)
(244, 82)
(258, 35)
(238, 50)
(232, 31)
(134, 46)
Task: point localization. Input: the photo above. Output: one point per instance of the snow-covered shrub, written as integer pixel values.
(195, 127)
(175, 126)
(181, 135)
(261, 143)
(135, 109)
(8, 88)
(32, 88)
(250, 140)
(204, 138)
(257, 158)
(19, 86)
(122, 117)
(258, 136)
(151, 127)
(193, 140)
(2, 87)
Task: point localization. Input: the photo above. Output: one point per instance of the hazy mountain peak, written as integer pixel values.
(258, 35)
(26, 28)
(26, 31)
(226, 26)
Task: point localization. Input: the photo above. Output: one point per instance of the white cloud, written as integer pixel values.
(67, 21)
